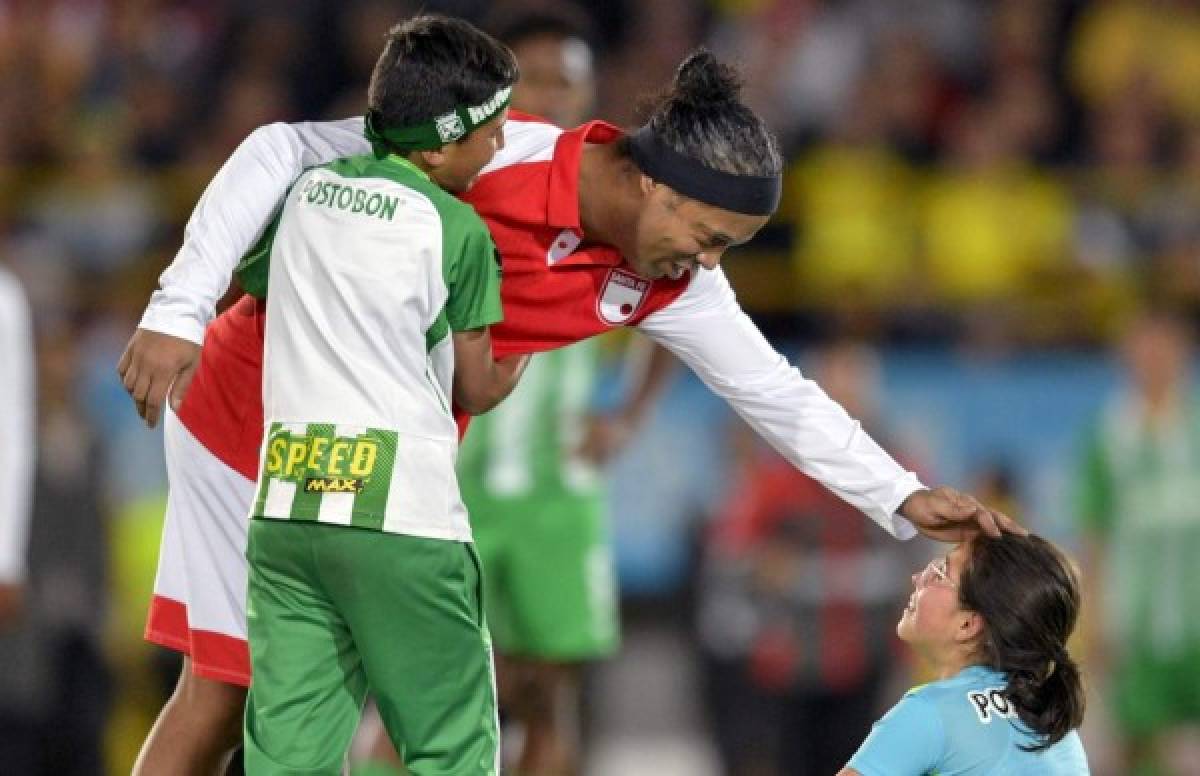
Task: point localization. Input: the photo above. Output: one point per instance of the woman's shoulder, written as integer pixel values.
(978, 688)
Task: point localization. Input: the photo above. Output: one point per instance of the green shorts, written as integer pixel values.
(1151, 694)
(548, 573)
(332, 610)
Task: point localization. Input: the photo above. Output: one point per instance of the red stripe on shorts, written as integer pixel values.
(214, 655)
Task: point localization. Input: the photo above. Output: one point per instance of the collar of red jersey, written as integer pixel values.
(562, 195)
(562, 199)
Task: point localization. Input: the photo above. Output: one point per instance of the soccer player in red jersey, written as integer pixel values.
(597, 229)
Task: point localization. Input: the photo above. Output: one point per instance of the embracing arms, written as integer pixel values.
(239, 202)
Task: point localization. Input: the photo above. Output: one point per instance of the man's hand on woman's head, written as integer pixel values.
(949, 515)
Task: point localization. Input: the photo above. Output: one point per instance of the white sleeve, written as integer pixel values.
(232, 214)
(17, 428)
(707, 329)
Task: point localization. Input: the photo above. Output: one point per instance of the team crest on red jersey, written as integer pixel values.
(621, 296)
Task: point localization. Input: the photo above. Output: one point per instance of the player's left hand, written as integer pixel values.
(154, 364)
(604, 436)
(948, 515)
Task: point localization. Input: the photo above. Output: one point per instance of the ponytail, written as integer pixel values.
(1028, 595)
(1052, 706)
(702, 116)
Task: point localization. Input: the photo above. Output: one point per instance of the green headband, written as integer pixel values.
(439, 131)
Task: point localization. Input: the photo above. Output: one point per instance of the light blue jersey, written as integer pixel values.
(962, 726)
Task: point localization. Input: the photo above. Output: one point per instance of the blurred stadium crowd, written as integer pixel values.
(980, 180)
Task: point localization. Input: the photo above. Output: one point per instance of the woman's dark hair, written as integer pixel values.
(1027, 592)
(702, 116)
(432, 63)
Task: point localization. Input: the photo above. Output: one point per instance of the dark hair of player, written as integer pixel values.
(701, 116)
(1027, 592)
(432, 64)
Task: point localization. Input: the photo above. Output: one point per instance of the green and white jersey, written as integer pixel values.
(1140, 488)
(370, 267)
(527, 447)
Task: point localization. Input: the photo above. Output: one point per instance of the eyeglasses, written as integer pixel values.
(936, 572)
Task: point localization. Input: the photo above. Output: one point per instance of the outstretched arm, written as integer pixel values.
(231, 215)
(707, 329)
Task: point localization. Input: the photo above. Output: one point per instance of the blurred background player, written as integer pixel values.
(17, 440)
(24, 681)
(1140, 513)
(553, 48)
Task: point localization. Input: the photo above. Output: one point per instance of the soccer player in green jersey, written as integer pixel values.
(382, 287)
(1139, 509)
(530, 477)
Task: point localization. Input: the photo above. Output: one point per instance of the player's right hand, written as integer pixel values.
(604, 436)
(948, 515)
(153, 365)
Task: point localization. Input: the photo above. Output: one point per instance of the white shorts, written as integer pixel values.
(199, 604)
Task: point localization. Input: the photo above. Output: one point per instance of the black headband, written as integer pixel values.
(749, 194)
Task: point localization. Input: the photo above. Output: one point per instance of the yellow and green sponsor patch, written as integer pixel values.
(300, 468)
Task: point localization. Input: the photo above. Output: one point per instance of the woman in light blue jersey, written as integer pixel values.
(992, 618)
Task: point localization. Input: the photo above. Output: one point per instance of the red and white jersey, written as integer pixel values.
(558, 288)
